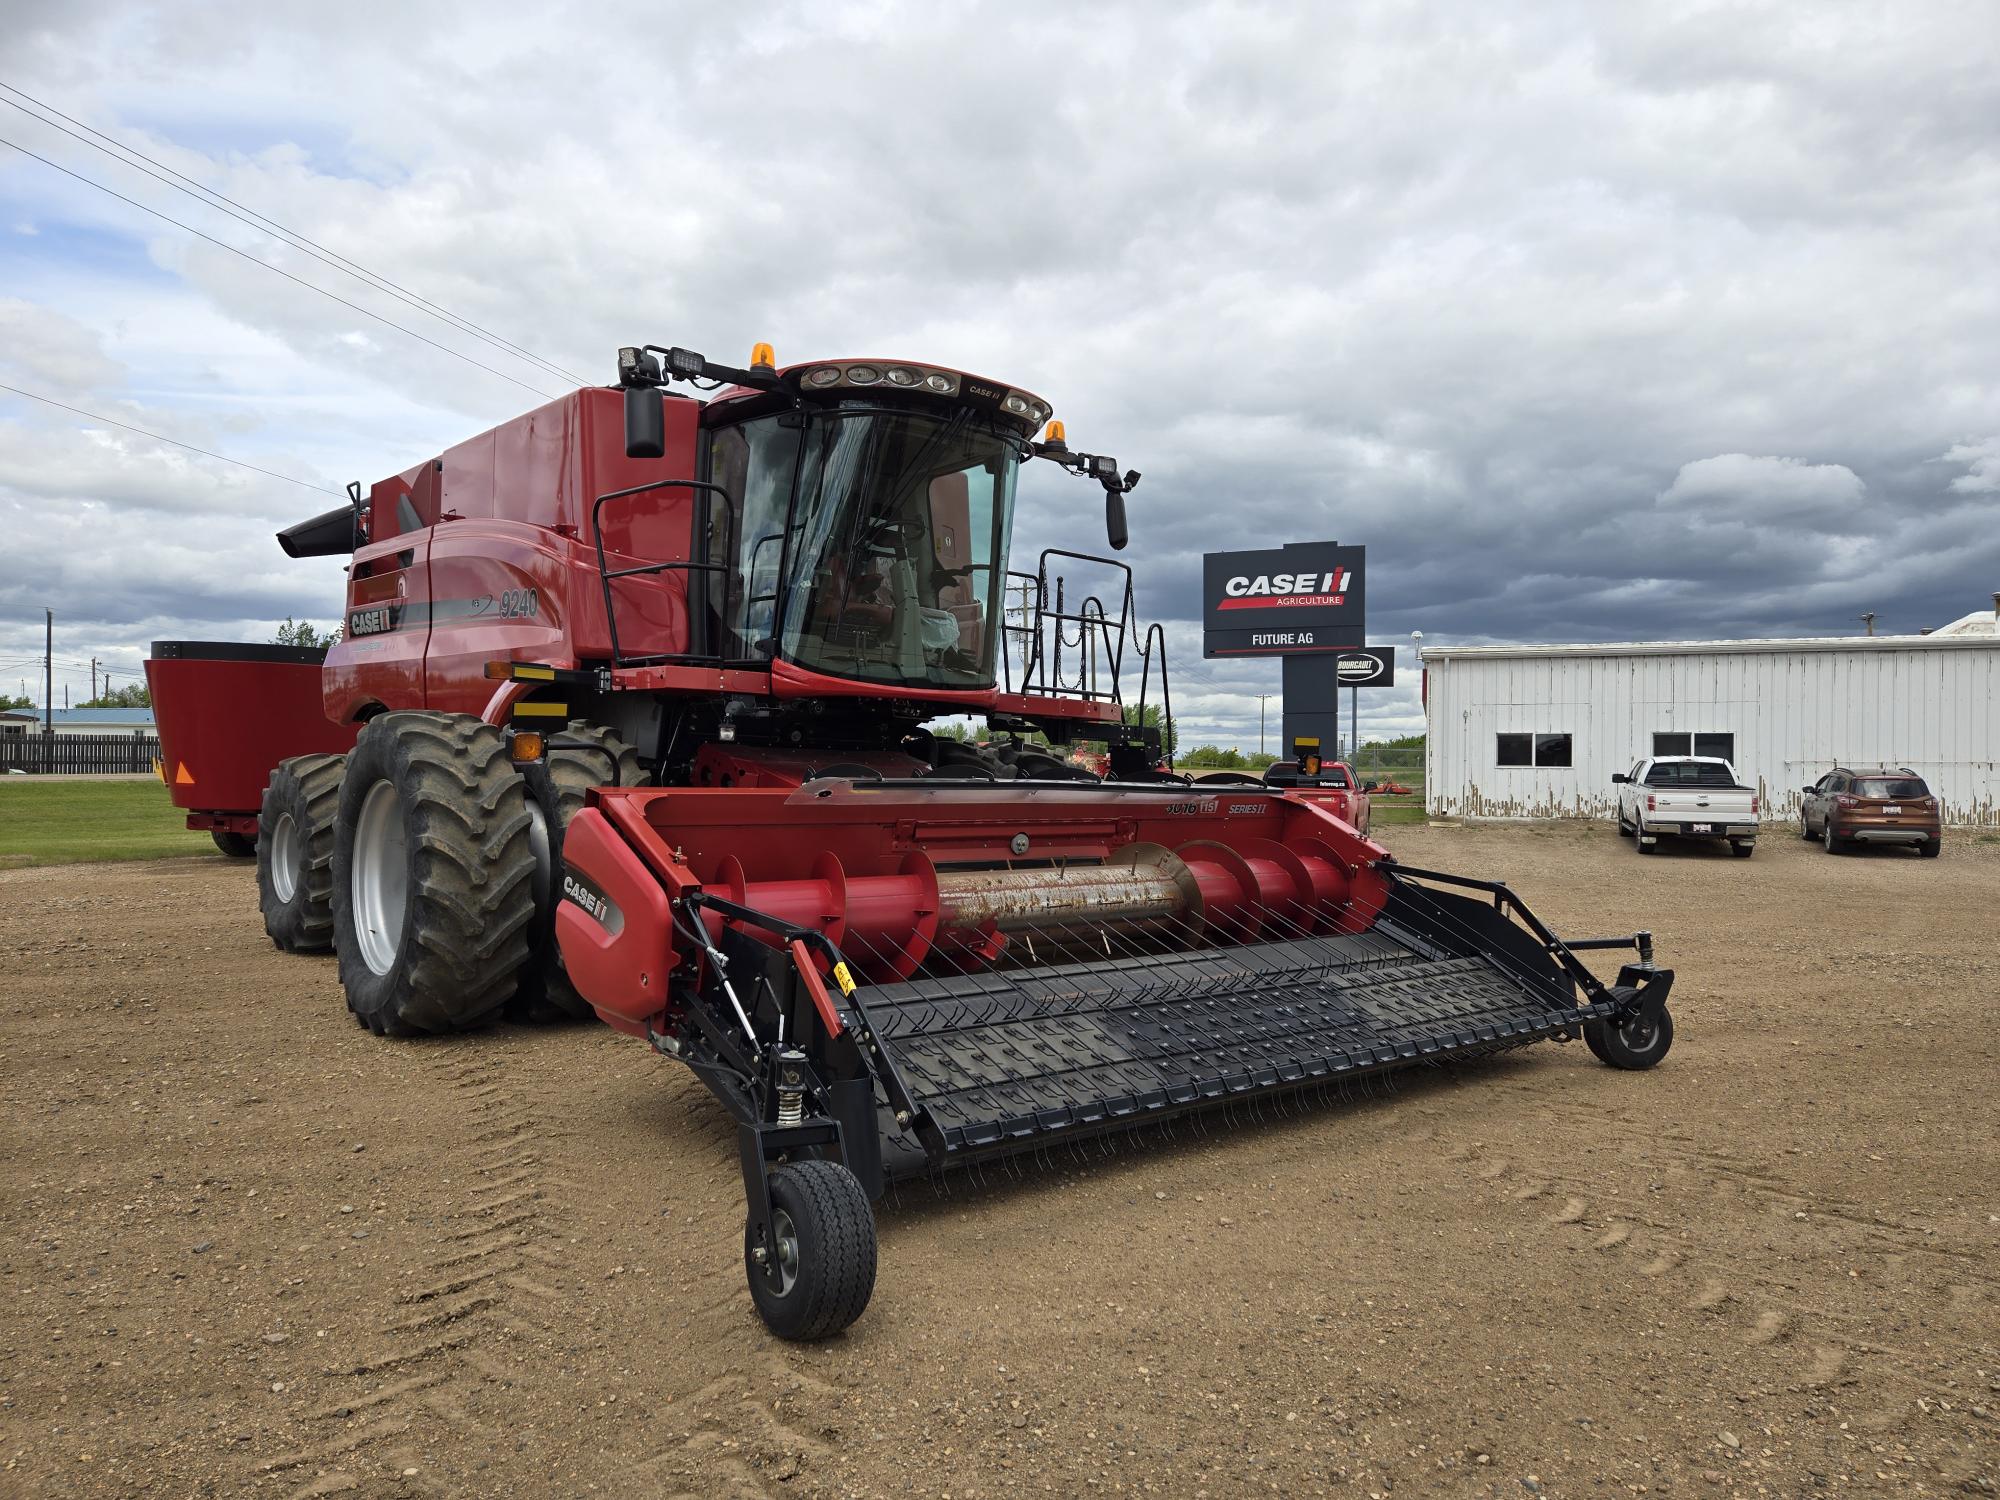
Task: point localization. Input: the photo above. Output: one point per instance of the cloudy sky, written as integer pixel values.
(1592, 322)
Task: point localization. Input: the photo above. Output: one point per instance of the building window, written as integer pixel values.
(1531, 750)
(1721, 746)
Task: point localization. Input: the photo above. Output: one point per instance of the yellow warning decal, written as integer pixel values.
(525, 673)
(844, 979)
(541, 710)
(181, 777)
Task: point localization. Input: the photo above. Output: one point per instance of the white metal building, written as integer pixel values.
(1536, 731)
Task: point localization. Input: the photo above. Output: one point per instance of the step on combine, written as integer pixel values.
(643, 686)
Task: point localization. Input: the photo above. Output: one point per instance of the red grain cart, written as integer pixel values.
(227, 714)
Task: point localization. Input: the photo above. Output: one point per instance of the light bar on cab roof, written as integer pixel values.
(863, 374)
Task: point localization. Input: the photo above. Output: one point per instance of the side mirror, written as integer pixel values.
(1114, 517)
(1808, 790)
(645, 422)
(1619, 778)
(1369, 786)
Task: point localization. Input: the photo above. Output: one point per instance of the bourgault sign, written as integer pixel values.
(1301, 598)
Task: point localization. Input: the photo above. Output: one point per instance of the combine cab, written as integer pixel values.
(643, 686)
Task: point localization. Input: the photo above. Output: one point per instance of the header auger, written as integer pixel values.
(643, 685)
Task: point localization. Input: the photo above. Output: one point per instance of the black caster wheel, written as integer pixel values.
(817, 1272)
(1630, 1043)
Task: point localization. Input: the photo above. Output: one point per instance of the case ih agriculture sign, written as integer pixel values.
(1305, 597)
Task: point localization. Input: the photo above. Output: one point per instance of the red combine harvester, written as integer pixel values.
(643, 685)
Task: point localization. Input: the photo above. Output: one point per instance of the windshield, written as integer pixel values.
(897, 550)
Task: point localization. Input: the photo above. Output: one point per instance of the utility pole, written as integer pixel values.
(1261, 699)
(48, 689)
(1869, 620)
(93, 679)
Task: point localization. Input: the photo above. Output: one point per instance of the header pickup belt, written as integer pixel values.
(1017, 1059)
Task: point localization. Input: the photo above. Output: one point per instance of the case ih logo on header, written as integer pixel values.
(1287, 601)
(1286, 590)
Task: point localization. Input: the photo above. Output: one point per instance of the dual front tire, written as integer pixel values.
(433, 875)
(425, 859)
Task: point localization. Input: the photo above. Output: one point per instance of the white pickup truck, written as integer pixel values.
(1686, 796)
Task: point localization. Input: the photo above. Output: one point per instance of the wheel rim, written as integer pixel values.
(1826, 832)
(784, 1251)
(381, 879)
(1638, 1035)
(285, 858)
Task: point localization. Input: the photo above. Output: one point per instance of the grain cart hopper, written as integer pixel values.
(644, 685)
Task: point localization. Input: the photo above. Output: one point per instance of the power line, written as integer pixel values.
(209, 198)
(162, 438)
(277, 270)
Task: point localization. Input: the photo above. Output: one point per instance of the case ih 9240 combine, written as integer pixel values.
(642, 683)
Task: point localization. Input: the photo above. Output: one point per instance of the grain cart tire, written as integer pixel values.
(235, 845)
(820, 1272)
(579, 758)
(433, 874)
(295, 852)
(1630, 1043)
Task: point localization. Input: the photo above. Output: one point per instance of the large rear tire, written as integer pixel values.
(295, 852)
(579, 758)
(433, 874)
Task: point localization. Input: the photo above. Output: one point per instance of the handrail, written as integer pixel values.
(606, 576)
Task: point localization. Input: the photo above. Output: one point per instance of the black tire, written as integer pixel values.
(1629, 1044)
(235, 845)
(1931, 848)
(1805, 828)
(295, 852)
(1641, 845)
(449, 840)
(579, 758)
(1833, 845)
(1742, 851)
(832, 1265)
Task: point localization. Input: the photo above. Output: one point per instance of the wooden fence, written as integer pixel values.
(76, 754)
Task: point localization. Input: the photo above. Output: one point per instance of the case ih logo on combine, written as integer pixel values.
(1286, 590)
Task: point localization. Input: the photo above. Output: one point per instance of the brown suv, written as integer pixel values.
(1871, 807)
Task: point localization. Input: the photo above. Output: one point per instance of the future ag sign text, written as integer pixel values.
(1305, 597)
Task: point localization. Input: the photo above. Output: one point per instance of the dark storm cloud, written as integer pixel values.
(1592, 323)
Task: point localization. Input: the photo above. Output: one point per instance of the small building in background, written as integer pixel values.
(1537, 731)
(79, 721)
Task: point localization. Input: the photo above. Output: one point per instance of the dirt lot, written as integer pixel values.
(249, 1249)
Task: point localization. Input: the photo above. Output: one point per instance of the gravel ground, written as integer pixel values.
(249, 1249)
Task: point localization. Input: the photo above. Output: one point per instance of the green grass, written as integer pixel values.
(58, 822)
(1386, 813)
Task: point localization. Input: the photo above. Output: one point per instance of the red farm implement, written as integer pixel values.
(643, 686)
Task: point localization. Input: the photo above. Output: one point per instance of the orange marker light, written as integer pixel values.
(763, 357)
(1056, 434)
(523, 746)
